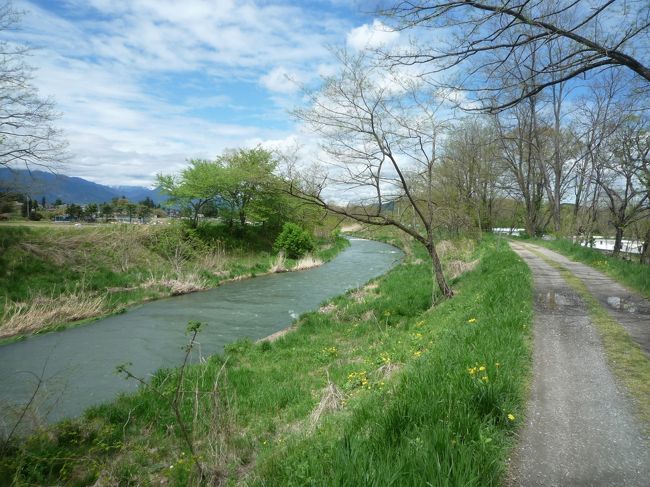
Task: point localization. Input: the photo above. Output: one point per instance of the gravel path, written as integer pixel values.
(580, 428)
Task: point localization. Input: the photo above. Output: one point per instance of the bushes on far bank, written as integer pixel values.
(294, 241)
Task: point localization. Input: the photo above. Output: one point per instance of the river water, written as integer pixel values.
(78, 365)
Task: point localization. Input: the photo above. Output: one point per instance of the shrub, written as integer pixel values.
(294, 241)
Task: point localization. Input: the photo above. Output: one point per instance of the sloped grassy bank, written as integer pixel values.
(375, 388)
(55, 275)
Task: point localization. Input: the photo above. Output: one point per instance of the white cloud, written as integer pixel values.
(282, 80)
(108, 64)
(371, 36)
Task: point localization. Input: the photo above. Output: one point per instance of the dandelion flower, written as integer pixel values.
(511, 416)
(481, 368)
(485, 378)
(472, 320)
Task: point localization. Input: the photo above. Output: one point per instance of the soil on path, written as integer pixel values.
(580, 429)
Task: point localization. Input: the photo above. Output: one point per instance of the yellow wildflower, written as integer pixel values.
(497, 365)
(485, 378)
(472, 370)
(472, 320)
(481, 368)
(511, 416)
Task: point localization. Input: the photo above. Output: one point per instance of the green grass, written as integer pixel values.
(632, 274)
(434, 419)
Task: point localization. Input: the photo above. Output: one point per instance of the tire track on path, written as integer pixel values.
(628, 308)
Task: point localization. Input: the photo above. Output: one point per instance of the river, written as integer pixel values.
(77, 366)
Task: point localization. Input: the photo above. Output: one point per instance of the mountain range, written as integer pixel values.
(42, 184)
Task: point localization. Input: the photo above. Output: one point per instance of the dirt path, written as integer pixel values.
(580, 428)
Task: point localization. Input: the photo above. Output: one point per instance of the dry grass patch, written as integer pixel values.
(332, 400)
(328, 308)
(307, 262)
(387, 371)
(77, 247)
(44, 311)
(444, 247)
(183, 284)
(279, 264)
(214, 261)
(369, 315)
(456, 268)
(360, 295)
(457, 250)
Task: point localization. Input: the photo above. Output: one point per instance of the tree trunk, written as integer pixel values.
(645, 253)
(437, 272)
(618, 242)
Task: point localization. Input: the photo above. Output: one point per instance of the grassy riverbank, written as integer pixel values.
(54, 275)
(632, 274)
(375, 388)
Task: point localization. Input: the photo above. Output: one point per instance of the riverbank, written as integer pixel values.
(369, 388)
(53, 277)
(629, 273)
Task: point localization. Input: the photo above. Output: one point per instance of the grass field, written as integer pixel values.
(53, 275)
(632, 274)
(375, 388)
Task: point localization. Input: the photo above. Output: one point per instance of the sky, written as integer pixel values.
(144, 85)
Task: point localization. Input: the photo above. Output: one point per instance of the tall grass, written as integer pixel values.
(44, 311)
(632, 274)
(377, 389)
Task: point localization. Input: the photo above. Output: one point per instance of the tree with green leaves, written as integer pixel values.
(250, 185)
(197, 185)
(143, 211)
(91, 210)
(75, 211)
(106, 210)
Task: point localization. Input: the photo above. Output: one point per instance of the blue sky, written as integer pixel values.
(143, 85)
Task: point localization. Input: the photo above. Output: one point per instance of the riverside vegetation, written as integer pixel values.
(52, 275)
(378, 387)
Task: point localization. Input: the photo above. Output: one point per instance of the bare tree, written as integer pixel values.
(597, 119)
(28, 137)
(620, 175)
(471, 172)
(642, 142)
(380, 138)
(484, 34)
